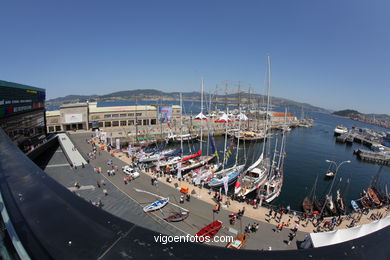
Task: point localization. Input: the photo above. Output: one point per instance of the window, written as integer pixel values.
(146, 122)
(101, 124)
(130, 114)
(138, 114)
(153, 121)
(123, 115)
(123, 123)
(139, 122)
(98, 117)
(115, 115)
(107, 116)
(107, 124)
(51, 129)
(130, 122)
(115, 123)
(58, 128)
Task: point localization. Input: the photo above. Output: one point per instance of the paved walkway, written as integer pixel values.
(72, 154)
(116, 202)
(201, 213)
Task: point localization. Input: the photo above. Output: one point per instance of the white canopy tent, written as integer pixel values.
(223, 118)
(200, 116)
(242, 117)
(342, 235)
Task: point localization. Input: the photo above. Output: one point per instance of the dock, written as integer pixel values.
(373, 157)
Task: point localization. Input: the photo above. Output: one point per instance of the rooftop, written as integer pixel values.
(21, 86)
(93, 108)
(53, 113)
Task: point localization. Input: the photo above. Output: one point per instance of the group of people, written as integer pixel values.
(252, 228)
(187, 198)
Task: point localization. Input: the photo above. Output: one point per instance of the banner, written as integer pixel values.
(179, 170)
(118, 144)
(103, 137)
(198, 174)
(164, 114)
(73, 118)
(226, 184)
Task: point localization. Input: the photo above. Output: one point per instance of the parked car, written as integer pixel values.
(130, 171)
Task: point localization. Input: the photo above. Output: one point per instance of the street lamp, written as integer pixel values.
(334, 178)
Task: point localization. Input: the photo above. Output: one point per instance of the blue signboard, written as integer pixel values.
(164, 114)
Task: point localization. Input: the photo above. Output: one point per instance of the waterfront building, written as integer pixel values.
(22, 113)
(89, 116)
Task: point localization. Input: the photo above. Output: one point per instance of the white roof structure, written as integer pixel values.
(342, 235)
(242, 117)
(224, 118)
(200, 116)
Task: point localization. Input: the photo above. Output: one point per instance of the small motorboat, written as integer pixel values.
(238, 242)
(156, 205)
(330, 174)
(177, 216)
(210, 230)
(355, 206)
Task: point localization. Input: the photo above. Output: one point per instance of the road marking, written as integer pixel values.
(87, 187)
(57, 165)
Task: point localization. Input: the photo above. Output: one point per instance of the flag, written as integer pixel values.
(212, 144)
(226, 184)
(198, 174)
(179, 170)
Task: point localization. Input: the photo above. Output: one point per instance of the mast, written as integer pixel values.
(268, 102)
(239, 126)
(208, 125)
(249, 101)
(181, 125)
(201, 119)
(226, 128)
(136, 120)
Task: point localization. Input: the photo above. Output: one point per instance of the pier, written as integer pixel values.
(373, 157)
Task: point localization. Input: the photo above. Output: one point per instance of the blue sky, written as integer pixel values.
(334, 54)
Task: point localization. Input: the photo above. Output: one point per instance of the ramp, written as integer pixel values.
(73, 155)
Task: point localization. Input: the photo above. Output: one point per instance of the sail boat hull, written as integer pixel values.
(232, 174)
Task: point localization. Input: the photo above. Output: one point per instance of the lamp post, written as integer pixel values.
(334, 178)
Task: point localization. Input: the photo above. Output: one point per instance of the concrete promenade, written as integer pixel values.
(201, 213)
(201, 205)
(73, 155)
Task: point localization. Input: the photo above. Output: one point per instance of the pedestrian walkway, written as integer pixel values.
(72, 154)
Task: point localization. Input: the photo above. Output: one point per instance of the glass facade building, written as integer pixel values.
(22, 113)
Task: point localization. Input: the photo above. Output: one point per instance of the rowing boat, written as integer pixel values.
(238, 242)
(178, 216)
(156, 205)
(210, 230)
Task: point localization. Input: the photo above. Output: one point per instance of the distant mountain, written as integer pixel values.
(347, 113)
(382, 120)
(152, 94)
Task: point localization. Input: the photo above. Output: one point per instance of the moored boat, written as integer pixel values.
(156, 205)
(231, 173)
(210, 230)
(374, 197)
(238, 242)
(339, 130)
(178, 216)
(355, 206)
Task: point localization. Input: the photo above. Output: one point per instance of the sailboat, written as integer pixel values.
(231, 173)
(273, 185)
(308, 201)
(193, 161)
(256, 175)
